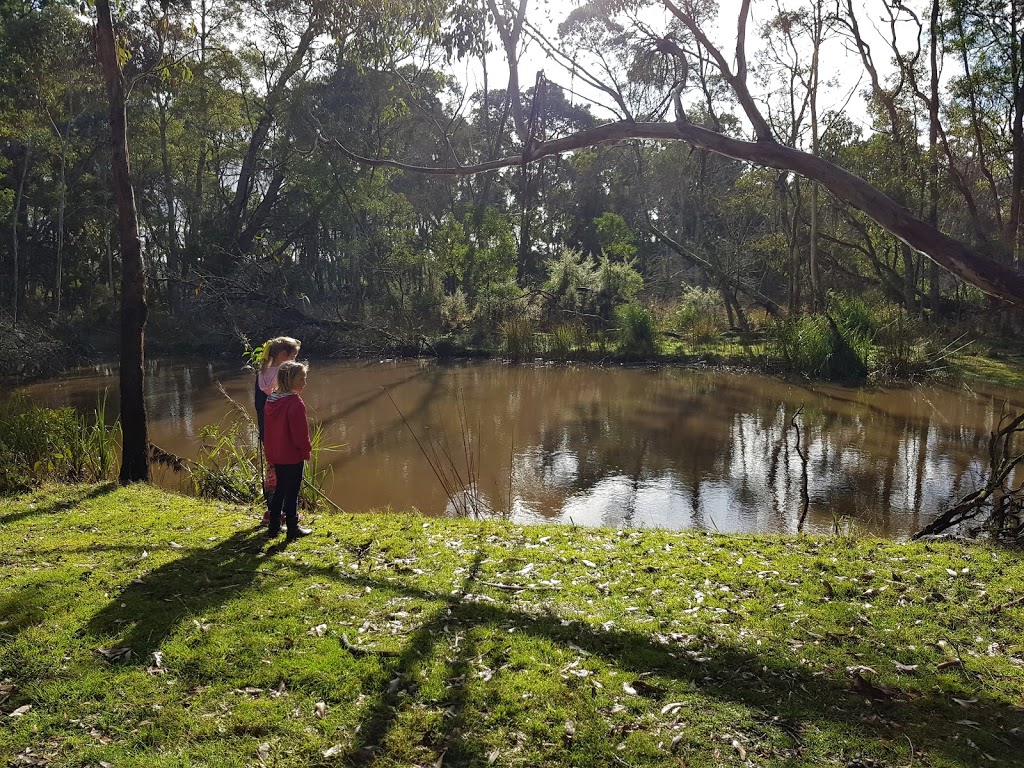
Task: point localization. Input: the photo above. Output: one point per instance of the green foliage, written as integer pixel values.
(39, 444)
(816, 346)
(315, 475)
(519, 338)
(455, 312)
(577, 284)
(855, 315)
(571, 279)
(615, 237)
(497, 302)
(618, 283)
(636, 331)
(905, 350)
(228, 466)
(699, 314)
(567, 340)
(449, 246)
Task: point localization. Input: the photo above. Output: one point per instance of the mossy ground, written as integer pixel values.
(505, 645)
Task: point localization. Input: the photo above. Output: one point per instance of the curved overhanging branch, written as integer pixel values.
(994, 278)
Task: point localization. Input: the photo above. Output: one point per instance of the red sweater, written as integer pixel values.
(286, 434)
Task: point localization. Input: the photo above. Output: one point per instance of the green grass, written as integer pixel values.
(513, 645)
(1007, 370)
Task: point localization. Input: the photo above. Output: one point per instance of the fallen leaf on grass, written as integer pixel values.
(739, 749)
(629, 689)
(115, 655)
(21, 711)
(318, 631)
(27, 758)
(671, 709)
(650, 690)
(337, 749)
(491, 757)
(908, 668)
(965, 702)
(950, 663)
(869, 689)
(320, 710)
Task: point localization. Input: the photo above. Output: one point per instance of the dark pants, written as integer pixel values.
(286, 496)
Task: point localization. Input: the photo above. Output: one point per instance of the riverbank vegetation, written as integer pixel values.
(258, 217)
(140, 628)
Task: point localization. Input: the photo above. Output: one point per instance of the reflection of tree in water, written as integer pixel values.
(678, 448)
(887, 462)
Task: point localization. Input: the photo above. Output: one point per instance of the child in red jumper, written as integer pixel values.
(286, 440)
(273, 352)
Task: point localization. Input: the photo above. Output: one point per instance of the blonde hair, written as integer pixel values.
(273, 347)
(289, 373)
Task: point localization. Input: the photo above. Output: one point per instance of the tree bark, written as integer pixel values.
(16, 288)
(933, 148)
(134, 429)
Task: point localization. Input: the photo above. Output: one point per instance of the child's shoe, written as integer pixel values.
(297, 533)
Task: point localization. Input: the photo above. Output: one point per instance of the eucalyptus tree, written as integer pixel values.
(671, 51)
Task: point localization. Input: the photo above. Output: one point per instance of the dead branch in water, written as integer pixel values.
(1001, 503)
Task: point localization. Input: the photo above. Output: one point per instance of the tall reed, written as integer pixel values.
(39, 444)
(518, 340)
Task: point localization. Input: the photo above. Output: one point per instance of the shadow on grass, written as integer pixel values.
(149, 609)
(79, 496)
(785, 699)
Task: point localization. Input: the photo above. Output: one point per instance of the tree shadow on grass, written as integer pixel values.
(784, 698)
(149, 609)
(79, 496)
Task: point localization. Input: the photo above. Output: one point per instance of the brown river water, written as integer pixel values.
(625, 447)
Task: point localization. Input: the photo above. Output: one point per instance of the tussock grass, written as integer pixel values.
(502, 644)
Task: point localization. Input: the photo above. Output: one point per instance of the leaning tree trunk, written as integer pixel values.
(135, 440)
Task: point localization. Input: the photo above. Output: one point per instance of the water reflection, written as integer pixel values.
(620, 447)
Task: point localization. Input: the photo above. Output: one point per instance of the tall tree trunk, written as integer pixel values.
(135, 438)
(933, 151)
(248, 171)
(979, 143)
(173, 248)
(19, 195)
(816, 296)
(1013, 235)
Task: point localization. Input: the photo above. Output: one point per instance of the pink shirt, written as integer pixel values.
(268, 378)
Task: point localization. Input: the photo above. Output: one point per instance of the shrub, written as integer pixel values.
(636, 331)
(228, 466)
(518, 339)
(854, 314)
(699, 315)
(903, 351)
(816, 346)
(39, 444)
(571, 281)
(567, 340)
(455, 311)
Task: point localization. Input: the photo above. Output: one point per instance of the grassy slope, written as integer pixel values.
(624, 648)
